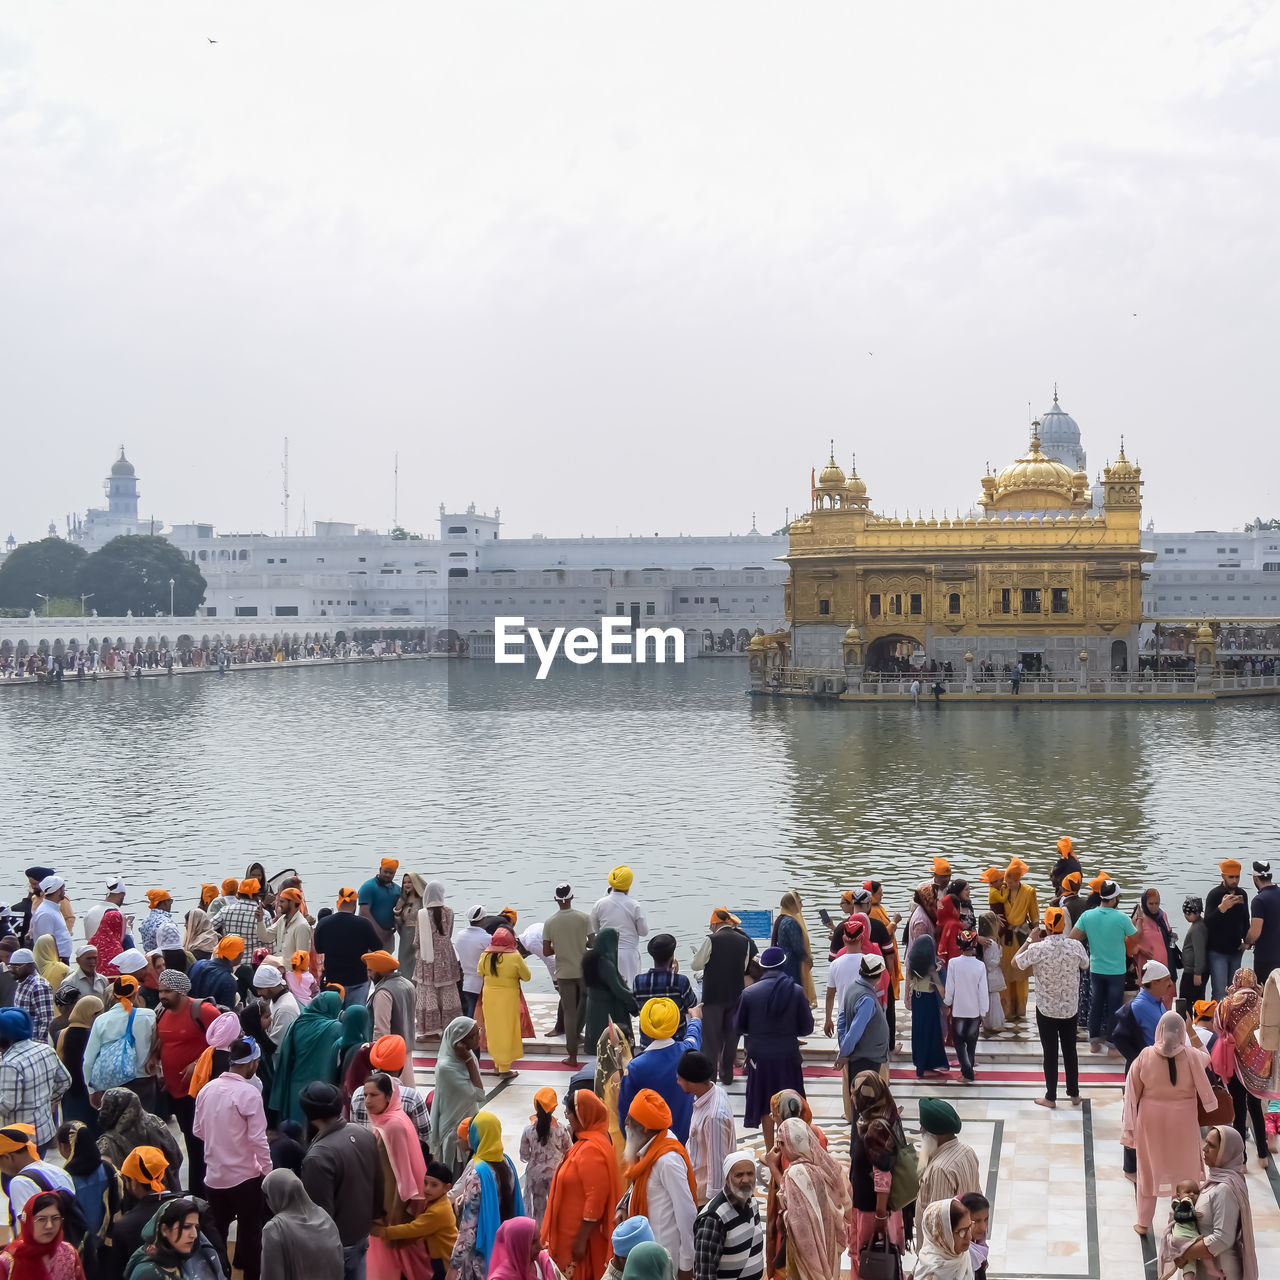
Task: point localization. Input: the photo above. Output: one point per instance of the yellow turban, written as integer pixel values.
(1098, 881)
(1204, 1009)
(380, 961)
(660, 1018)
(621, 878)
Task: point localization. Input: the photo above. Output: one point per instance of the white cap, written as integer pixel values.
(51, 884)
(1153, 970)
(871, 965)
(115, 886)
(22, 956)
(85, 946)
(266, 977)
(131, 961)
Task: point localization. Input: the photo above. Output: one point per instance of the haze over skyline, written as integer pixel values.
(630, 267)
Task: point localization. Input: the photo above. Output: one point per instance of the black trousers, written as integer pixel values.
(242, 1204)
(720, 1037)
(1245, 1102)
(1055, 1032)
(184, 1112)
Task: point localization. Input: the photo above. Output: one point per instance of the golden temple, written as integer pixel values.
(1037, 573)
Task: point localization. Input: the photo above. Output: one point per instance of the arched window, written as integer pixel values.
(953, 602)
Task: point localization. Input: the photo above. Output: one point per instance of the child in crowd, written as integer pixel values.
(543, 1145)
(980, 1213)
(626, 1236)
(1186, 1229)
(1195, 953)
(435, 1224)
(990, 955)
(1273, 1125)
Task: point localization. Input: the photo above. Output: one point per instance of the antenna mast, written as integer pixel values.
(395, 498)
(284, 471)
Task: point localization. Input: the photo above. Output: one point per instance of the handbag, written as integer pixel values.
(1224, 1109)
(906, 1178)
(117, 1064)
(880, 1260)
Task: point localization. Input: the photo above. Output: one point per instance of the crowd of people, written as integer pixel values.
(278, 1046)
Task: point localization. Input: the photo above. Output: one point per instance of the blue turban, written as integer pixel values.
(15, 1025)
(629, 1233)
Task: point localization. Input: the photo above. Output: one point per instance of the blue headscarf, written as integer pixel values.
(15, 1025)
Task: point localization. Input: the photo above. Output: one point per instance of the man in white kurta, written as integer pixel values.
(618, 910)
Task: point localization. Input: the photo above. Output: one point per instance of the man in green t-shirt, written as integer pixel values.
(564, 936)
(1111, 937)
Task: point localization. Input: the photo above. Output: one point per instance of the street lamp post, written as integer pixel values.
(171, 597)
(46, 602)
(85, 595)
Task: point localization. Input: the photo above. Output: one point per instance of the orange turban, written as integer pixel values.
(1064, 846)
(1054, 919)
(1228, 867)
(300, 961)
(380, 961)
(156, 896)
(290, 895)
(346, 895)
(230, 948)
(545, 1099)
(722, 915)
(18, 1137)
(649, 1108)
(146, 1165)
(1071, 882)
(941, 867)
(1016, 869)
(387, 1054)
(229, 886)
(464, 1132)
(510, 913)
(1204, 1009)
(248, 887)
(1097, 882)
(389, 864)
(993, 875)
(207, 894)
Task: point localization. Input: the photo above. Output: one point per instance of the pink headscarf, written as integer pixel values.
(819, 1201)
(509, 1258)
(109, 939)
(400, 1138)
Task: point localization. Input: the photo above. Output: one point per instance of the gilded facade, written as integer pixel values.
(1036, 573)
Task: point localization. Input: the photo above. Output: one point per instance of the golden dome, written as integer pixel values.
(1204, 633)
(831, 477)
(1122, 468)
(855, 485)
(1034, 482)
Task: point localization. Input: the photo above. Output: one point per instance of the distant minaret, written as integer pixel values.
(122, 489)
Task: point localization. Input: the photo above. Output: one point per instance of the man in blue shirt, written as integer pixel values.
(377, 901)
(864, 1042)
(655, 1068)
(1149, 1004)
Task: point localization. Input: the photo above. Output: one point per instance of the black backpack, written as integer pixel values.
(1127, 1036)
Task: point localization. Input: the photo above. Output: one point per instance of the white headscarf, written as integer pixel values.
(433, 897)
(940, 1257)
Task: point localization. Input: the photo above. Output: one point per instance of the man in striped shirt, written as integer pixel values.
(711, 1131)
(728, 1240)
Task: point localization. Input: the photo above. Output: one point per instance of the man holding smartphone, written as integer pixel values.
(1226, 917)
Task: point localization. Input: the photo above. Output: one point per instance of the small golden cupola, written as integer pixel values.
(830, 489)
(855, 489)
(1122, 482)
(1035, 482)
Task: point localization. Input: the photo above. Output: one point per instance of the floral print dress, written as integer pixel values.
(541, 1160)
(436, 972)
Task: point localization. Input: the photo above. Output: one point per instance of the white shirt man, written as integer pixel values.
(48, 917)
(967, 995)
(668, 1200)
(470, 945)
(618, 910)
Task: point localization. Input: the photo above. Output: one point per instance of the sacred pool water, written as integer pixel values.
(501, 786)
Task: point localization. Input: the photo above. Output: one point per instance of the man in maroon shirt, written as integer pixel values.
(181, 1025)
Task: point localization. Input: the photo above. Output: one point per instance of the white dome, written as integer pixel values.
(1060, 436)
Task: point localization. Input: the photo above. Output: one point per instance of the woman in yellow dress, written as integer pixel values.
(503, 970)
(1015, 904)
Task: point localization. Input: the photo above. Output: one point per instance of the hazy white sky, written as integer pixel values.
(628, 267)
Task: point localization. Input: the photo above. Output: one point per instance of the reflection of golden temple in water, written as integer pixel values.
(1039, 576)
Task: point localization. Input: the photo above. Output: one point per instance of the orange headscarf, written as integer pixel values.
(547, 1099)
(300, 961)
(591, 1162)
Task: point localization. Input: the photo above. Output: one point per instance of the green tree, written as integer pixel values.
(131, 574)
(48, 567)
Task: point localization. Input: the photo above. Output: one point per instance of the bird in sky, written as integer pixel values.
(211, 40)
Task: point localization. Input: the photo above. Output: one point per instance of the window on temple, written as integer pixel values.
(1006, 605)
(874, 608)
(1060, 600)
(953, 602)
(916, 603)
(895, 605)
(824, 606)
(1030, 599)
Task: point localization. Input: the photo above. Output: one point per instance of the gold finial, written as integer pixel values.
(1121, 458)
(1055, 392)
(833, 449)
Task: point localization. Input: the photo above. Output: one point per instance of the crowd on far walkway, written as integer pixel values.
(242, 1068)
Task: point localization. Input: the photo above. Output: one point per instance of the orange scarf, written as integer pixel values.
(638, 1173)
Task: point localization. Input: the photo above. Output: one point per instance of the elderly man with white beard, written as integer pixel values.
(728, 1239)
(662, 1186)
(948, 1167)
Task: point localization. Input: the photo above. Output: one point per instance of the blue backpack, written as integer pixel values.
(117, 1064)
